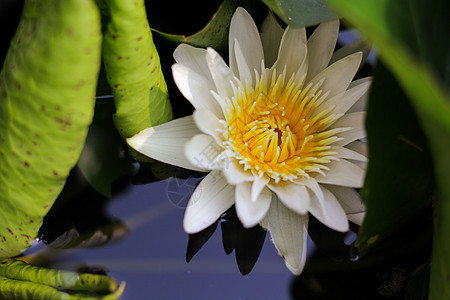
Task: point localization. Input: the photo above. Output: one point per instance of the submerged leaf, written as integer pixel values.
(47, 89)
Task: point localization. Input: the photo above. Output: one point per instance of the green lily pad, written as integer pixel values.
(300, 13)
(47, 89)
(214, 34)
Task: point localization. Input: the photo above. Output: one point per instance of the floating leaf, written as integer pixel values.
(214, 34)
(47, 89)
(299, 13)
(19, 280)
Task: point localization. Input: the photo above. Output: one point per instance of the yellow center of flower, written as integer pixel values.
(279, 130)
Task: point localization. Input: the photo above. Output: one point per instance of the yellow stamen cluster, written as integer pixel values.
(275, 129)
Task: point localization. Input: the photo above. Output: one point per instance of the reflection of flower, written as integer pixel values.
(278, 129)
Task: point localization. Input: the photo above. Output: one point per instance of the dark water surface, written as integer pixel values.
(151, 258)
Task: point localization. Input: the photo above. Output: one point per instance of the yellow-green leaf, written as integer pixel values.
(47, 89)
(133, 68)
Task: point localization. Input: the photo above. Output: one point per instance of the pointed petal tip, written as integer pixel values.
(212, 197)
(191, 227)
(251, 213)
(241, 10)
(295, 270)
(139, 140)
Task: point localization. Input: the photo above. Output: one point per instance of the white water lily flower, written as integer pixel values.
(274, 129)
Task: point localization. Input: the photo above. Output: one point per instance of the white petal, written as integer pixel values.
(245, 73)
(361, 148)
(212, 197)
(249, 212)
(350, 136)
(203, 152)
(196, 88)
(244, 30)
(224, 103)
(313, 186)
(289, 234)
(346, 153)
(235, 173)
(292, 51)
(345, 100)
(208, 123)
(166, 142)
(343, 172)
(321, 45)
(339, 75)
(294, 196)
(330, 212)
(356, 121)
(221, 73)
(258, 185)
(194, 58)
(353, 47)
(271, 35)
(361, 104)
(350, 201)
(358, 146)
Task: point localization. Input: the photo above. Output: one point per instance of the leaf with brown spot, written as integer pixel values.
(138, 106)
(39, 76)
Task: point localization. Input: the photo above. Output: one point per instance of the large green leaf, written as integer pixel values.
(47, 89)
(133, 68)
(410, 36)
(396, 190)
(299, 13)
